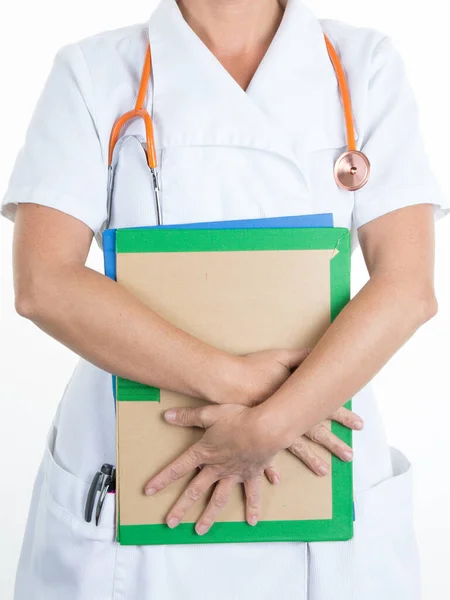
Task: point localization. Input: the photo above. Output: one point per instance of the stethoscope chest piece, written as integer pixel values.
(352, 170)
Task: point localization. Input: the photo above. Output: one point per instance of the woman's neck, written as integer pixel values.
(237, 32)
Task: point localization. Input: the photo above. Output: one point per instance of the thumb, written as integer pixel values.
(272, 474)
(190, 417)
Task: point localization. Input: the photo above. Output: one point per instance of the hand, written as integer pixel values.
(235, 448)
(231, 452)
(260, 374)
(303, 447)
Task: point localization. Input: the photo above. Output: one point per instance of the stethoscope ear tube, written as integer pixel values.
(157, 193)
(154, 172)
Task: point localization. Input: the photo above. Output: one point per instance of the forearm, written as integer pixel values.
(361, 340)
(104, 323)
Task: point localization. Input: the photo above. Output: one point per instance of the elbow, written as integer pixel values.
(424, 305)
(40, 292)
(26, 305)
(432, 308)
(29, 299)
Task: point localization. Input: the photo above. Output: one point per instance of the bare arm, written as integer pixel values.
(399, 297)
(101, 321)
(399, 252)
(93, 315)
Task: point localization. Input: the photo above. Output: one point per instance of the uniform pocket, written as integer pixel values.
(381, 561)
(386, 549)
(67, 496)
(67, 558)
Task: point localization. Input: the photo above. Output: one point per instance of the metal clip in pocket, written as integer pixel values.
(104, 481)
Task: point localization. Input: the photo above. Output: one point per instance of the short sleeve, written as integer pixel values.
(61, 162)
(401, 174)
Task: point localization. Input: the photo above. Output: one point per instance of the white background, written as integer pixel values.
(413, 389)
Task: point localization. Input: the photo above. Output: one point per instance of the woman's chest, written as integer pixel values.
(226, 181)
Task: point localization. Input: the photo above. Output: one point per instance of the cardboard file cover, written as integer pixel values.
(241, 291)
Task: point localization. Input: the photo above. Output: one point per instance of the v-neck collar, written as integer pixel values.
(292, 104)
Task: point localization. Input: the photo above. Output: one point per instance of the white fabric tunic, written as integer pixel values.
(224, 154)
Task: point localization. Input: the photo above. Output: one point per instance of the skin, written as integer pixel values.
(257, 411)
(238, 32)
(102, 322)
(398, 249)
(239, 442)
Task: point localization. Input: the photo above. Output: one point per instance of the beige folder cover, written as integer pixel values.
(240, 302)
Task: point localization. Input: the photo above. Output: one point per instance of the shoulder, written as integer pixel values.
(106, 56)
(352, 41)
(104, 49)
(98, 75)
(374, 67)
(365, 52)
(122, 41)
(105, 69)
(345, 32)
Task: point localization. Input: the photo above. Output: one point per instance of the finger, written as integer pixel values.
(219, 499)
(303, 450)
(293, 358)
(252, 499)
(348, 418)
(272, 474)
(187, 462)
(323, 436)
(196, 489)
(201, 416)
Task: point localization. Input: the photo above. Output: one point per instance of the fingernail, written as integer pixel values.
(173, 522)
(275, 479)
(150, 491)
(201, 529)
(347, 455)
(252, 520)
(323, 470)
(170, 414)
(358, 425)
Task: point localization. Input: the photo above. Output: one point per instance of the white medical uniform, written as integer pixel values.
(224, 154)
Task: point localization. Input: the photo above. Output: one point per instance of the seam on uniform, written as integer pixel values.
(43, 194)
(380, 42)
(394, 191)
(92, 113)
(114, 587)
(114, 33)
(379, 196)
(307, 570)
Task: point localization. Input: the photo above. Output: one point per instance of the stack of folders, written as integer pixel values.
(241, 286)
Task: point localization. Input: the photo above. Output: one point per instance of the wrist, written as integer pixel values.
(272, 426)
(224, 381)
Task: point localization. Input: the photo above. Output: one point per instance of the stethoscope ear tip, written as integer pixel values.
(352, 170)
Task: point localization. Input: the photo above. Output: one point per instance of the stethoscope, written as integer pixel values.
(351, 169)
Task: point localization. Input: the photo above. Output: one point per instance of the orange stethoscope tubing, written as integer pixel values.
(345, 94)
(352, 167)
(138, 111)
(150, 150)
(351, 170)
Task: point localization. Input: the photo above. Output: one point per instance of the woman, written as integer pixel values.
(248, 123)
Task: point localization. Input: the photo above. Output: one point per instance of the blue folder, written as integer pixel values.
(319, 220)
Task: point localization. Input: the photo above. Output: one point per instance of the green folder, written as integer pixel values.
(254, 281)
